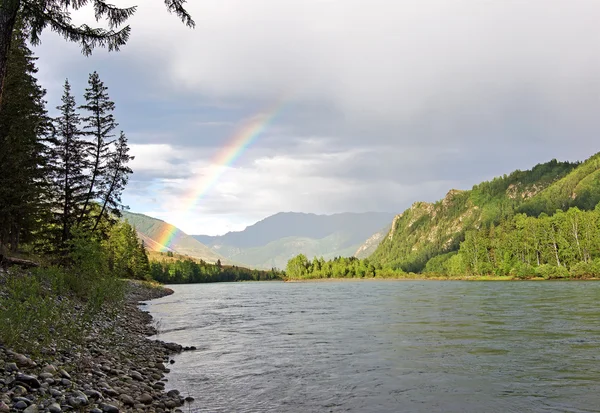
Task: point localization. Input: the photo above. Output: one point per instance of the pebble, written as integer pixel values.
(109, 408)
(31, 409)
(54, 408)
(28, 380)
(189, 399)
(11, 367)
(4, 407)
(65, 375)
(145, 398)
(20, 405)
(50, 369)
(126, 399)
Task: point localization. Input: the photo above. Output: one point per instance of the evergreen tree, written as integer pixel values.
(117, 178)
(23, 155)
(99, 125)
(69, 171)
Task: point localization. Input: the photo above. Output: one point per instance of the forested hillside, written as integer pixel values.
(428, 230)
(542, 222)
(152, 231)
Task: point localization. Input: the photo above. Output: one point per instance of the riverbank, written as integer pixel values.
(116, 368)
(422, 277)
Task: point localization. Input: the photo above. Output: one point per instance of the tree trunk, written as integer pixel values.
(8, 17)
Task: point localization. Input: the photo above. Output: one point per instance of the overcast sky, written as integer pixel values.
(385, 102)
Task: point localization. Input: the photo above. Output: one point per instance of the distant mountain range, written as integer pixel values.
(272, 241)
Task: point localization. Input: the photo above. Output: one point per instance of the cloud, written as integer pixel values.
(387, 102)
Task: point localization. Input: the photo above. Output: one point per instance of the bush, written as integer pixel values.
(549, 272)
(585, 269)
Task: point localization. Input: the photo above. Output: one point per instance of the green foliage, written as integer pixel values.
(127, 257)
(423, 234)
(558, 246)
(300, 267)
(188, 271)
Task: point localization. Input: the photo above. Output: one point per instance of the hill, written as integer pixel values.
(151, 231)
(427, 230)
(272, 241)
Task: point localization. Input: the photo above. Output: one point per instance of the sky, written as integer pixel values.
(378, 103)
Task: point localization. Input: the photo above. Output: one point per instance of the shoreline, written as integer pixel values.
(117, 367)
(465, 278)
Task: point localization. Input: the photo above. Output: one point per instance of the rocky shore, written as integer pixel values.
(117, 369)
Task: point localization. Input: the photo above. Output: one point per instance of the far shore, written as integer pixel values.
(434, 278)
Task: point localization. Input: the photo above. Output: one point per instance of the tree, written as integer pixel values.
(39, 14)
(117, 178)
(23, 154)
(99, 123)
(69, 172)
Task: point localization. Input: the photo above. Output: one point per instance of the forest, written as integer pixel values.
(540, 223)
(187, 271)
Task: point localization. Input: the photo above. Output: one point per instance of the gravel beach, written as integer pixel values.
(117, 368)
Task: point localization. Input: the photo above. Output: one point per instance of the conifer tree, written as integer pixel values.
(117, 177)
(99, 125)
(23, 125)
(69, 173)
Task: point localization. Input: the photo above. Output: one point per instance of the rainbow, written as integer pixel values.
(231, 152)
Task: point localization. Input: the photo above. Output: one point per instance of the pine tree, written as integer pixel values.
(23, 126)
(117, 178)
(69, 173)
(99, 124)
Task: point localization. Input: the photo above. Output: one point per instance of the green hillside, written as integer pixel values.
(428, 230)
(151, 231)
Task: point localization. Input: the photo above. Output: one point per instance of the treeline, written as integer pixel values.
(566, 244)
(58, 176)
(300, 267)
(187, 271)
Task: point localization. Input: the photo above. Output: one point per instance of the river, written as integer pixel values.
(385, 346)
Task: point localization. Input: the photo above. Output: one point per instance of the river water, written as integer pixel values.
(385, 346)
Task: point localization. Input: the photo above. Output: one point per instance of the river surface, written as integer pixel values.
(384, 346)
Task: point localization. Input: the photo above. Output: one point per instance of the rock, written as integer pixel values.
(145, 398)
(55, 393)
(171, 404)
(28, 380)
(78, 400)
(54, 408)
(127, 400)
(109, 391)
(11, 367)
(65, 375)
(173, 393)
(93, 394)
(19, 390)
(4, 407)
(20, 405)
(65, 382)
(137, 376)
(138, 406)
(22, 361)
(189, 399)
(31, 409)
(49, 369)
(45, 376)
(109, 408)
(95, 410)
(172, 361)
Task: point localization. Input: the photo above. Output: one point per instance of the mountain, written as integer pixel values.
(370, 245)
(428, 230)
(272, 241)
(152, 230)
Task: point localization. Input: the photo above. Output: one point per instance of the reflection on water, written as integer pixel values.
(385, 346)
